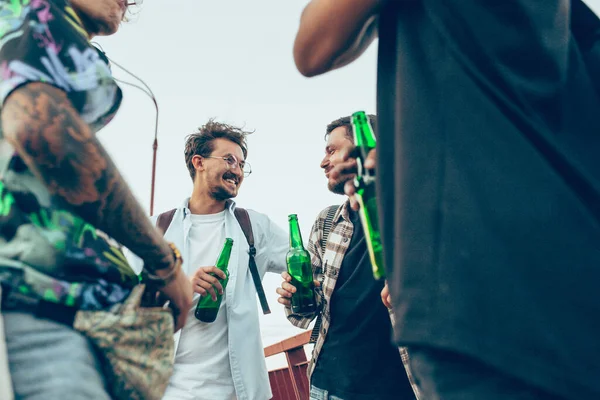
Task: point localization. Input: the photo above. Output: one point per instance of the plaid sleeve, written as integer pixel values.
(314, 249)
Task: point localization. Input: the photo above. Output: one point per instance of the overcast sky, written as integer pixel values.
(232, 60)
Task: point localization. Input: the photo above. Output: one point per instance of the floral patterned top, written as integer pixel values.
(46, 251)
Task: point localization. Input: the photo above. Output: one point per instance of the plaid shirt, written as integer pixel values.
(326, 269)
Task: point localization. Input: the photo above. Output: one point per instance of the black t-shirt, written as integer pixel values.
(489, 168)
(357, 360)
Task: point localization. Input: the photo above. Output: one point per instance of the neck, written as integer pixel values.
(85, 23)
(203, 203)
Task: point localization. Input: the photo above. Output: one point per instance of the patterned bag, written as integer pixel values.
(135, 345)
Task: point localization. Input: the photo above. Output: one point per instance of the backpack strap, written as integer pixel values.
(244, 220)
(327, 225)
(164, 220)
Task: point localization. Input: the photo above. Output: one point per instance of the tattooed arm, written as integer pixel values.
(59, 147)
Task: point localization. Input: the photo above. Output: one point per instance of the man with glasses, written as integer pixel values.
(223, 359)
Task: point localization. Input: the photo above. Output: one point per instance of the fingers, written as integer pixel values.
(286, 302)
(288, 287)
(354, 204)
(346, 169)
(349, 152)
(317, 283)
(286, 277)
(212, 270)
(349, 188)
(206, 281)
(204, 288)
(371, 158)
(387, 301)
(285, 291)
(385, 296)
(350, 191)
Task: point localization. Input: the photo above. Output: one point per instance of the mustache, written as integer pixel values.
(230, 175)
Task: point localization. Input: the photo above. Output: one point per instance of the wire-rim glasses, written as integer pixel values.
(232, 162)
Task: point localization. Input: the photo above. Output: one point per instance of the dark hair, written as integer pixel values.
(346, 122)
(201, 142)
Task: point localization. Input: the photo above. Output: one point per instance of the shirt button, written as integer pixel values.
(345, 240)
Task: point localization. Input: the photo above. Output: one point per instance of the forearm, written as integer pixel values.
(57, 146)
(327, 29)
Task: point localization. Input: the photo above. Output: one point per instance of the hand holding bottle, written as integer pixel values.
(349, 166)
(287, 290)
(206, 280)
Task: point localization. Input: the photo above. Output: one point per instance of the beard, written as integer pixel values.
(221, 193)
(337, 186)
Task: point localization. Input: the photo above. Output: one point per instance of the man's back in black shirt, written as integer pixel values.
(489, 178)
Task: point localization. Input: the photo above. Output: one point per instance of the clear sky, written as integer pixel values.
(232, 60)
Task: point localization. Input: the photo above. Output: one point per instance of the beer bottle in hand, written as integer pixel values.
(364, 139)
(300, 269)
(207, 308)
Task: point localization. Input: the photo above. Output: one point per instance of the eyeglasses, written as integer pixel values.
(232, 162)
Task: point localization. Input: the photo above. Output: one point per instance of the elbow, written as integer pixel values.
(312, 60)
(309, 69)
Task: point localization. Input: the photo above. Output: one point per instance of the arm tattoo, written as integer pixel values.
(47, 132)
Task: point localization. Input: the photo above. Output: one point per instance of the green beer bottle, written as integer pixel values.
(300, 269)
(364, 139)
(207, 308)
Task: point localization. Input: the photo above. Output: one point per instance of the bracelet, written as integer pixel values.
(162, 281)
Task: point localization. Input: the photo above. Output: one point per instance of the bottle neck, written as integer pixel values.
(223, 259)
(295, 236)
(364, 137)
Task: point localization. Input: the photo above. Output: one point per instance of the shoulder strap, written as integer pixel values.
(327, 225)
(164, 220)
(244, 220)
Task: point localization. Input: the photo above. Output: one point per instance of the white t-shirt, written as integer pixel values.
(202, 370)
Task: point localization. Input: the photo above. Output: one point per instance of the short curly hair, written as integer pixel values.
(201, 142)
(346, 122)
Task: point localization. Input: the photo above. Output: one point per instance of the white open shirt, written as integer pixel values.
(246, 354)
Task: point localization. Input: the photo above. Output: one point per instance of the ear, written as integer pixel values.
(198, 162)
